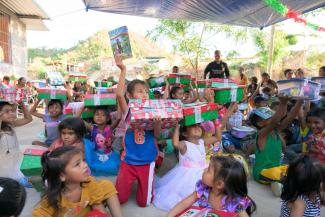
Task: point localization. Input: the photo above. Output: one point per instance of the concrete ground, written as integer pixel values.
(267, 204)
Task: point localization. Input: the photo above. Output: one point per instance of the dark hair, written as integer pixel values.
(322, 68)
(303, 178)
(21, 78)
(287, 71)
(6, 78)
(264, 74)
(53, 164)
(300, 70)
(266, 90)
(175, 67)
(318, 112)
(12, 197)
(5, 126)
(254, 119)
(173, 91)
(75, 86)
(55, 101)
(132, 84)
(156, 92)
(232, 173)
(75, 124)
(274, 104)
(104, 109)
(254, 79)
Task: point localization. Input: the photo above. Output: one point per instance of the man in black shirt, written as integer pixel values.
(217, 68)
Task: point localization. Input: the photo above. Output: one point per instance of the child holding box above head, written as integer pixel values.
(140, 152)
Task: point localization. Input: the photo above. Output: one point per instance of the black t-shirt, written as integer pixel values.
(217, 70)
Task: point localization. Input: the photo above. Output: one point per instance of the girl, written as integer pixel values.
(71, 191)
(301, 196)
(241, 78)
(223, 187)
(178, 183)
(71, 131)
(178, 93)
(268, 154)
(10, 156)
(140, 150)
(100, 155)
(12, 197)
(51, 118)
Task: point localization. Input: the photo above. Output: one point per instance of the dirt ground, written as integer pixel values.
(267, 204)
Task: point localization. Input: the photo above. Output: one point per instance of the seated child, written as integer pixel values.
(178, 183)
(71, 191)
(51, 118)
(303, 191)
(12, 197)
(223, 187)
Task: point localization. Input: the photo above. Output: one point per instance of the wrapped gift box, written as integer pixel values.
(222, 83)
(179, 79)
(74, 107)
(157, 82)
(100, 99)
(96, 213)
(229, 94)
(195, 211)
(103, 84)
(299, 88)
(203, 83)
(8, 94)
(198, 112)
(78, 77)
(320, 80)
(105, 90)
(50, 93)
(21, 95)
(143, 112)
(31, 165)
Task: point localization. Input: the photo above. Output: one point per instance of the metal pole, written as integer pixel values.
(271, 49)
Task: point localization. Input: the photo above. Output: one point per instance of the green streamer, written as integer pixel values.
(277, 6)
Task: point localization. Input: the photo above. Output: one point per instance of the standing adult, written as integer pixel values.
(21, 83)
(268, 82)
(217, 68)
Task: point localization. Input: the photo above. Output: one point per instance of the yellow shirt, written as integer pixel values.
(93, 192)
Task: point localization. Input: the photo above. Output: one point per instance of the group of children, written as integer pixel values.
(219, 182)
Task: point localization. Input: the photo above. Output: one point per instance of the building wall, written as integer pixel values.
(18, 65)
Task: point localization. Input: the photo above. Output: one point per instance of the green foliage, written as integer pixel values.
(292, 39)
(315, 60)
(41, 73)
(54, 53)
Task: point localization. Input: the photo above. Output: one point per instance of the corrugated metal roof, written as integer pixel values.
(25, 8)
(29, 13)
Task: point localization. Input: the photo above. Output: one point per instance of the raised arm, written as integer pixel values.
(184, 204)
(291, 115)
(217, 136)
(157, 127)
(176, 143)
(166, 93)
(27, 117)
(34, 112)
(120, 91)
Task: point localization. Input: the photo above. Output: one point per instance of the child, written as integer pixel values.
(51, 118)
(178, 93)
(178, 183)
(223, 187)
(71, 191)
(252, 86)
(268, 154)
(12, 197)
(301, 188)
(100, 155)
(71, 131)
(140, 152)
(10, 156)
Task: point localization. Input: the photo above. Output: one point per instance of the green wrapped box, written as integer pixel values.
(31, 165)
(84, 115)
(103, 84)
(227, 95)
(197, 113)
(157, 82)
(49, 93)
(100, 99)
(179, 79)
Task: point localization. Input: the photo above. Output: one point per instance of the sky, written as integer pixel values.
(70, 23)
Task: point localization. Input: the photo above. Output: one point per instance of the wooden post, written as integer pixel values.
(271, 49)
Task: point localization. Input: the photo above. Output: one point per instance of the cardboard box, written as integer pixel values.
(157, 82)
(179, 79)
(100, 99)
(143, 112)
(31, 165)
(198, 112)
(51, 93)
(105, 90)
(229, 94)
(195, 211)
(103, 84)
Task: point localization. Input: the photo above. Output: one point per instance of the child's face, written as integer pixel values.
(100, 117)
(193, 131)
(55, 110)
(140, 92)
(7, 113)
(69, 137)
(208, 176)
(157, 96)
(179, 94)
(76, 170)
(315, 124)
(186, 95)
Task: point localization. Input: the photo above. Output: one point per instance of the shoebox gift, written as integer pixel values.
(51, 93)
(31, 165)
(203, 83)
(103, 84)
(179, 79)
(105, 89)
(157, 82)
(78, 77)
(8, 94)
(195, 211)
(21, 95)
(144, 111)
(299, 88)
(73, 108)
(100, 99)
(199, 112)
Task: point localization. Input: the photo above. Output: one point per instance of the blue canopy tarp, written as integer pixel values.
(252, 13)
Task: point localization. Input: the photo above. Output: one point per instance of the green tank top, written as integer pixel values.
(270, 156)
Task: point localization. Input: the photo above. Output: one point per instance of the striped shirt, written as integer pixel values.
(312, 209)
